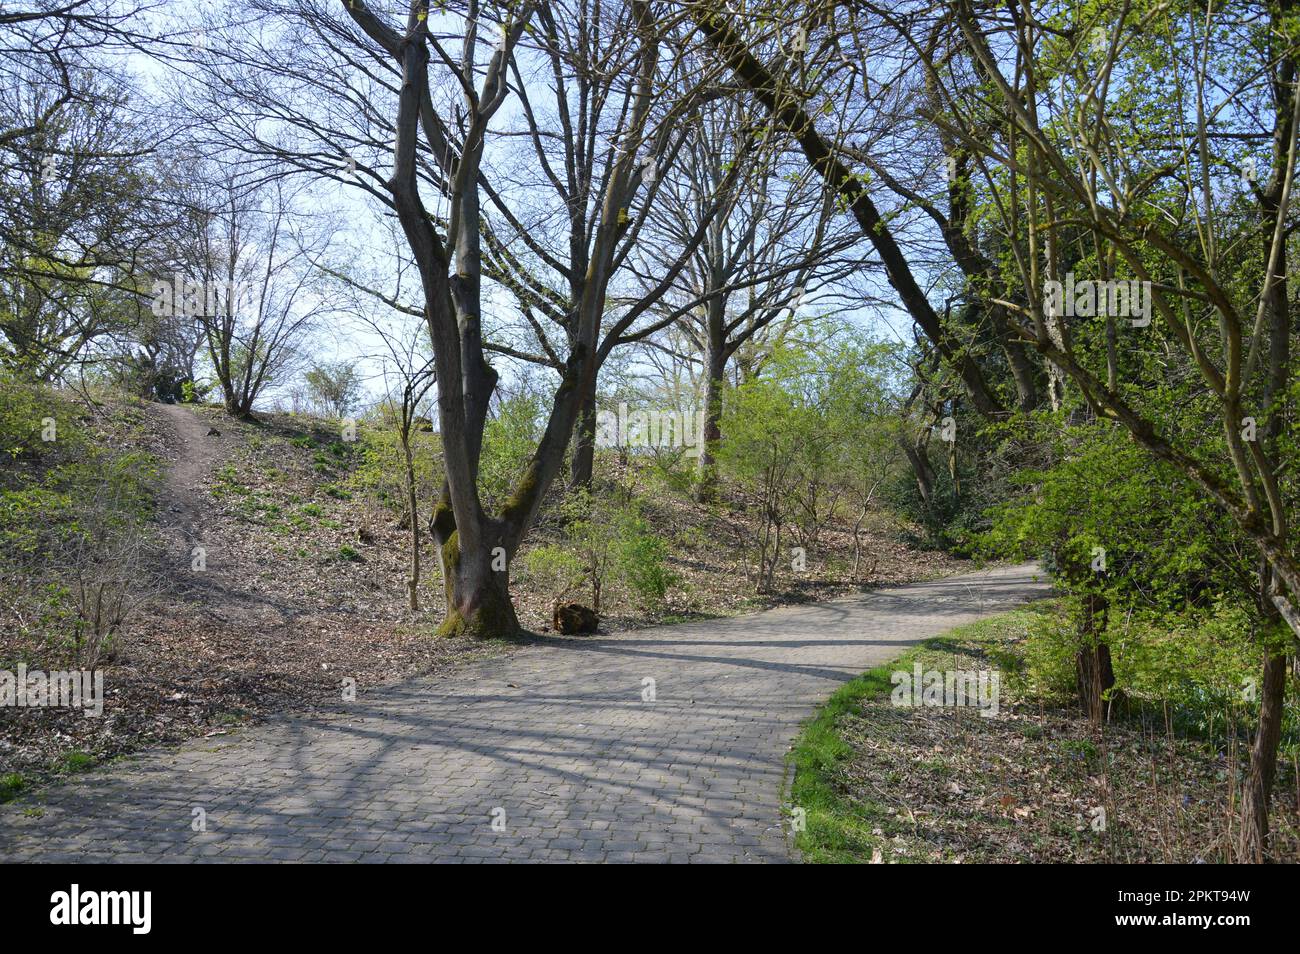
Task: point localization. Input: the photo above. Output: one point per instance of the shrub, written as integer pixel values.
(75, 537)
(334, 387)
(1199, 659)
(555, 569)
(26, 414)
(605, 542)
(641, 560)
(1049, 653)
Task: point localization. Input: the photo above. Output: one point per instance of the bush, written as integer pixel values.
(951, 521)
(1049, 651)
(1202, 659)
(334, 387)
(641, 560)
(806, 437)
(555, 569)
(35, 423)
(605, 542)
(1123, 536)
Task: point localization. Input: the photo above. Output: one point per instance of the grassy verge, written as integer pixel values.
(841, 826)
(1036, 781)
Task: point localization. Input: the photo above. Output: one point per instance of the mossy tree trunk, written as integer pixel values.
(583, 465)
(477, 589)
(476, 576)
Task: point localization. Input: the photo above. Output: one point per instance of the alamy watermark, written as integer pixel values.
(191, 298)
(131, 908)
(1089, 298)
(654, 428)
(35, 689)
(952, 688)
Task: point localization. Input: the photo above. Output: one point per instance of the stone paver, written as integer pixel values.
(554, 741)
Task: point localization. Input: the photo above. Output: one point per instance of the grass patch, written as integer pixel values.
(11, 784)
(229, 484)
(876, 782)
(76, 761)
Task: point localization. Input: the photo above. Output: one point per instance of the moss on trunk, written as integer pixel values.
(478, 599)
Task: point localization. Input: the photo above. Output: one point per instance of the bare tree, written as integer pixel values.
(774, 244)
(804, 50)
(592, 121)
(244, 274)
(406, 372)
(79, 207)
(365, 89)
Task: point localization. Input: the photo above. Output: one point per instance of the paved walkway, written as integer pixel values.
(549, 754)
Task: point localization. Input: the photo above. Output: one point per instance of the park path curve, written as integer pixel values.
(554, 743)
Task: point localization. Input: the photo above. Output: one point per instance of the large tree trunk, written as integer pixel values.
(1095, 678)
(475, 548)
(478, 596)
(476, 580)
(1258, 788)
(583, 465)
(237, 406)
(715, 364)
(1022, 369)
(1253, 844)
(921, 470)
(475, 577)
(1094, 674)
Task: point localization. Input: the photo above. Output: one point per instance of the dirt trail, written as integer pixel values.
(182, 486)
(183, 502)
(197, 455)
(213, 580)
